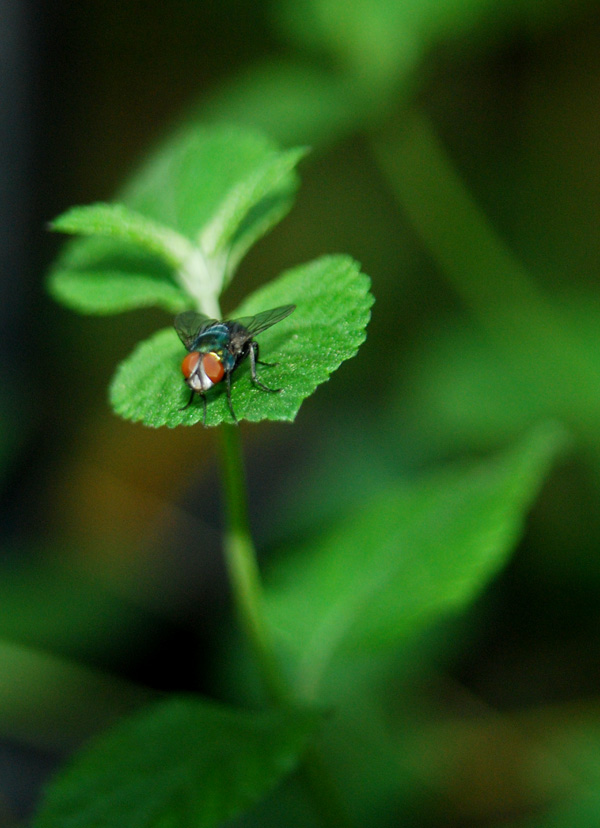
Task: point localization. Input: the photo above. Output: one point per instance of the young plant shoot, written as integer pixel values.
(404, 555)
(174, 240)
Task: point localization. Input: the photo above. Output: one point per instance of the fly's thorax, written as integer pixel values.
(216, 338)
(229, 340)
(239, 337)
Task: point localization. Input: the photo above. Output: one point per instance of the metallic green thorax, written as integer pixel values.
(220, 339)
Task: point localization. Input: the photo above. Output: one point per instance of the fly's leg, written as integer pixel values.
(190, 401)
(259, 361)
(228, 378)
(253, 362)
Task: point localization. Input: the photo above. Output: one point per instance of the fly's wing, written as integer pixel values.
(189, 325)
(256, 324)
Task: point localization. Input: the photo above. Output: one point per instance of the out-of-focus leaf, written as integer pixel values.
(327, 327)
(39, 692)
(186, 761)
(419, 551)
(49, 606)
(295, 103)
(463, 390)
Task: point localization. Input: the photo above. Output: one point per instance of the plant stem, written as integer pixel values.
(493, 284)
(240, 557)
(483, 271)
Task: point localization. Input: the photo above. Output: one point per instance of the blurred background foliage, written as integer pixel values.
(455, 154)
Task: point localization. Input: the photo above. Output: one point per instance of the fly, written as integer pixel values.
(217, 348)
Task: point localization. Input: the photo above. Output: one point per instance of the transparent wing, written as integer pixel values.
(255, 324)
(189, 325)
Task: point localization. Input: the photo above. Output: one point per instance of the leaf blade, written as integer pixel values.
(265, 194)
(327, 327)
(184, 761)
(164, 207)
(116, 221)
(102, 276)
(414, 553)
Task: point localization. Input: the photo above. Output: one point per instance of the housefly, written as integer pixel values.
(217, 348)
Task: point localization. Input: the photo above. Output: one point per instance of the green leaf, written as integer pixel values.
(183, 762)
(101, 276)
(39, 692)
(234, 181)
(294, 103)
(186, 182)
(235, 227)
(463, 389)
(46, 605)
(116, 221)
(413, 553)
(327, 327)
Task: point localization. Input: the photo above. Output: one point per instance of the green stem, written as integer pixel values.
(490, 280)
(518, 318)
(240, 557)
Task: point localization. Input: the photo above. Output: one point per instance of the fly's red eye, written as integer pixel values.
(189, 364)
(213, 367)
